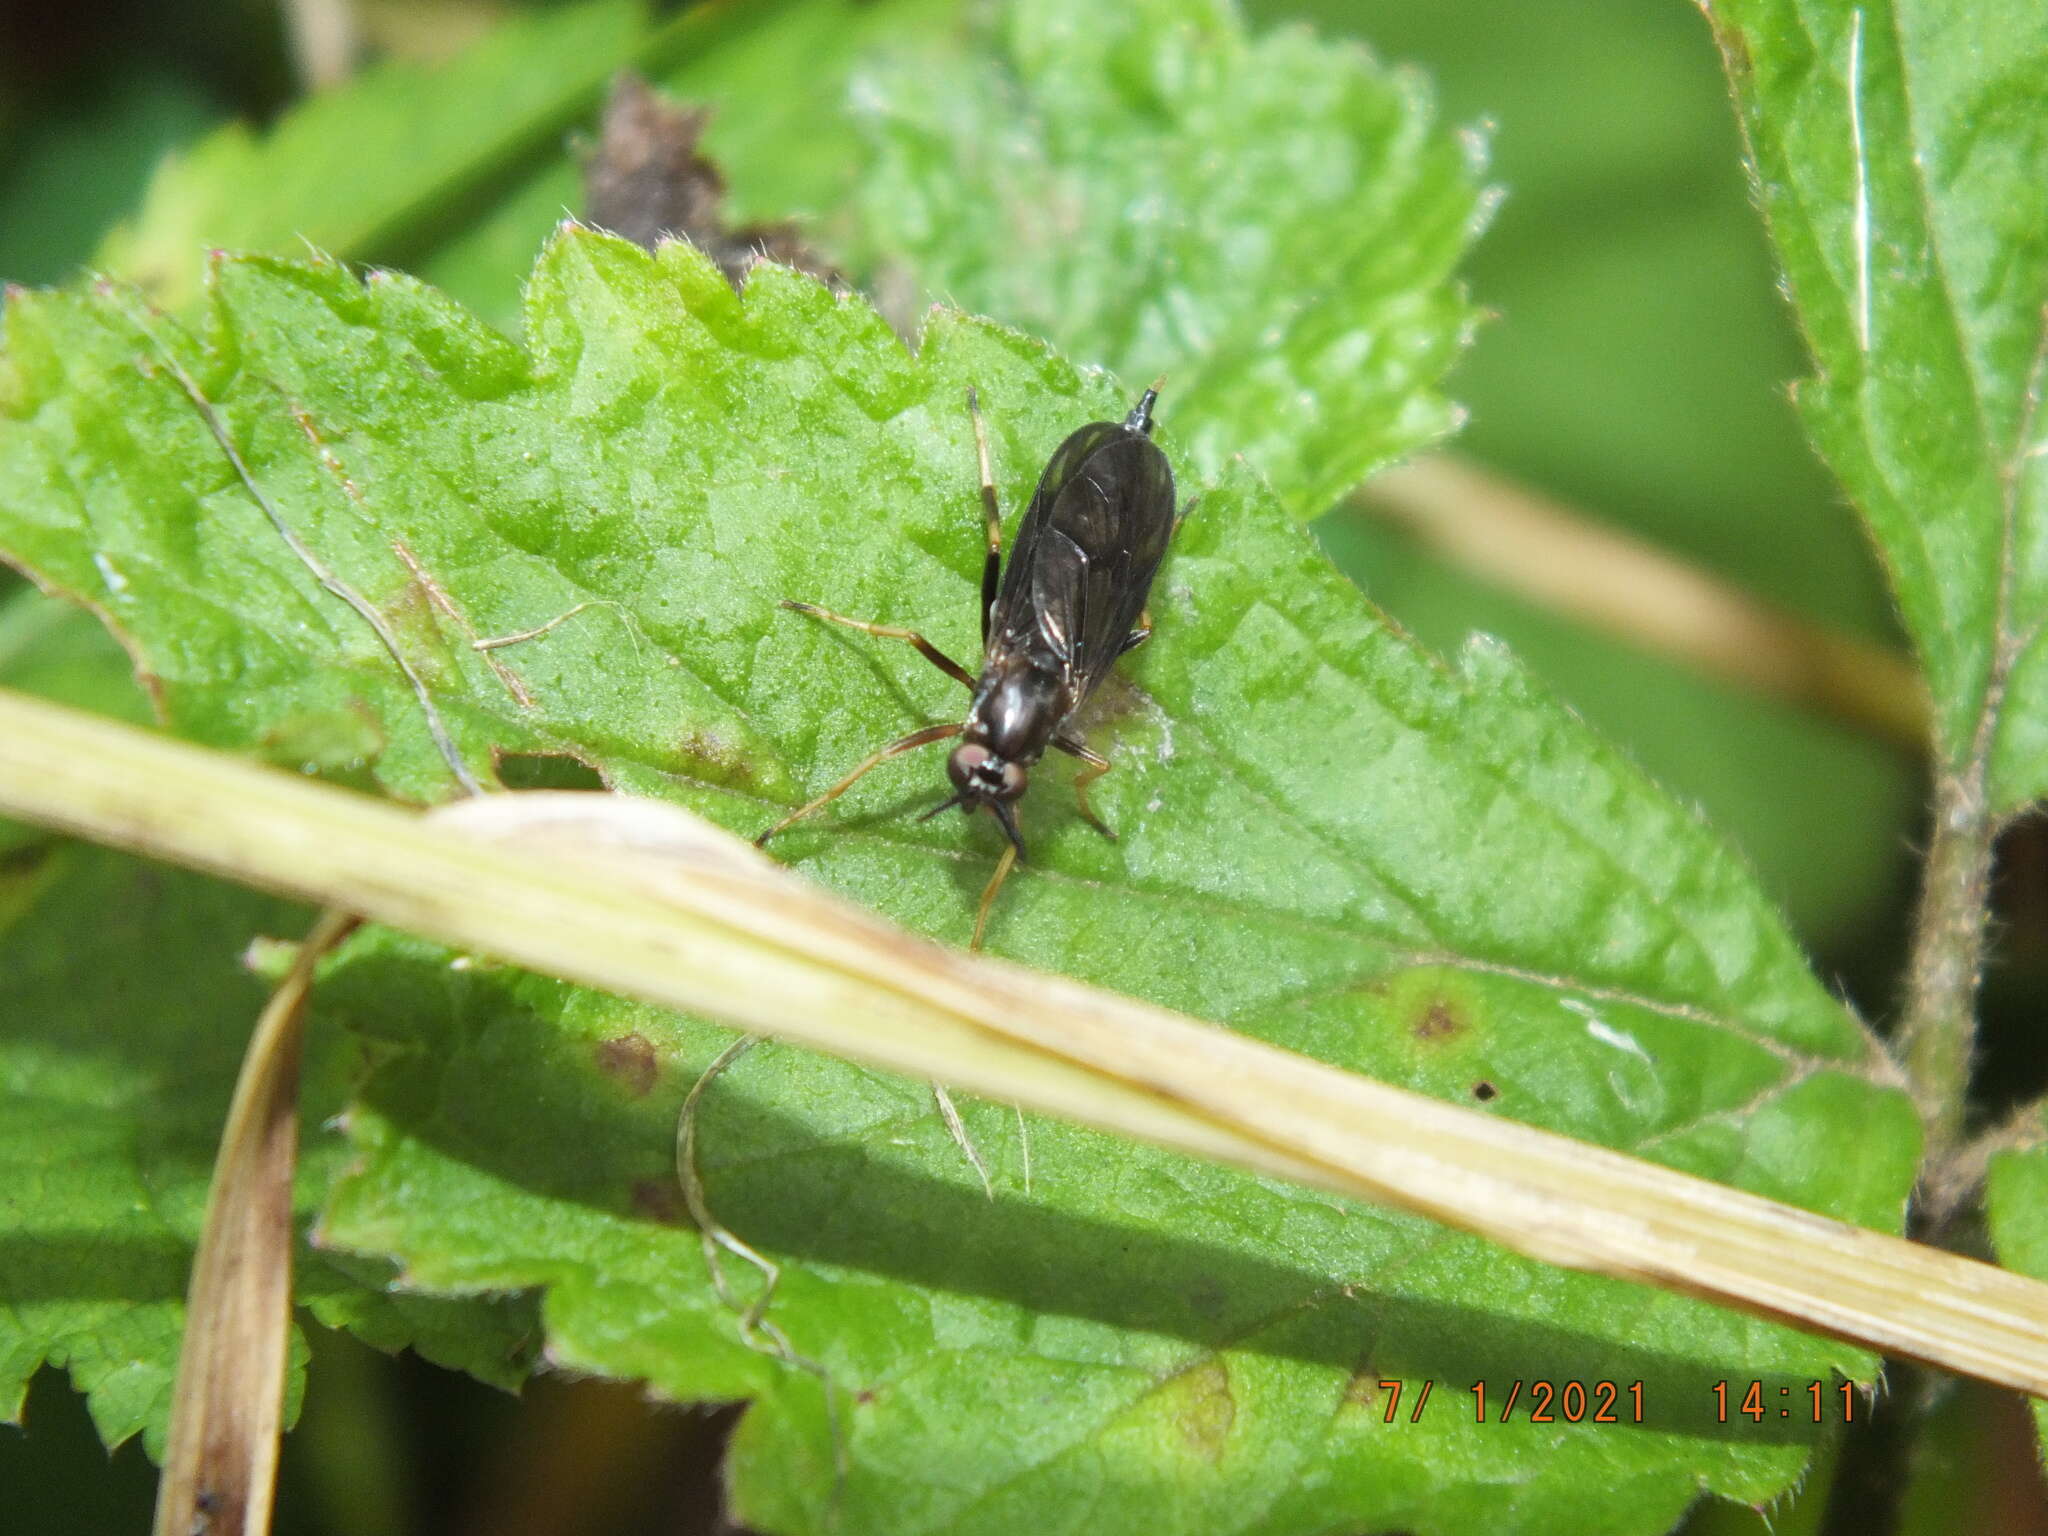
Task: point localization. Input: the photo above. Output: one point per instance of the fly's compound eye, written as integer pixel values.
(966, 765)
(978, 774)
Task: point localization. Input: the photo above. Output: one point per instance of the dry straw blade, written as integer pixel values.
(220, 1463)
(645, 900)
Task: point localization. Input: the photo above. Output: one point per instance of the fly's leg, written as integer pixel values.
(955, 1127)
(910, 743)
(947, 1112)
(991, 516)
(988, 896)
(925, 648)
(1097, 766)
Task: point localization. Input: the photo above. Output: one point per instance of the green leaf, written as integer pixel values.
(124, 1009)
(1899, 148)
(791, 151)
(1642, 334)
(1301, 211)
(2016, 1207)
(375, 169)
(59, 651)
(1820, 810)
(1434, 875)
(459, 171)
(1268, 222)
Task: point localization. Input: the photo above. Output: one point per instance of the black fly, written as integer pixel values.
(1071, 601)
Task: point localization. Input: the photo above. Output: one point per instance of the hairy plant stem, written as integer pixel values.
(1867, 1495)
(1937, 1032)
(1936, 1038)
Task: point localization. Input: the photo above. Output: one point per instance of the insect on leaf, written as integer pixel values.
(1328, 839)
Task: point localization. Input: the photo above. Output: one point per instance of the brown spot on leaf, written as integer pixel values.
(629, 1060)
(1439, 1020)
(711, 759)
(1484, 1091)
(659, 1200)
(1735, 56)
(412, 616)
(1362, 1391)
(1202, 1408)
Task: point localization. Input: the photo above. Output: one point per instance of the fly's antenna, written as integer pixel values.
(1140, 418)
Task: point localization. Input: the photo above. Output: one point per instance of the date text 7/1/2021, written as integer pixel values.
(1544, 1401)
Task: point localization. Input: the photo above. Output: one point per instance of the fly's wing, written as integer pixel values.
(1085, 554)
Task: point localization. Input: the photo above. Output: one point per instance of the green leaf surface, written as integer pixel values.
(1637, 335)
(58, 650)
(1270, 222)
(2016, 1207)
(1807, 801)
(1899, 148)
(124, 1008)
(458, 171)
(1435, 875)
(1300, 212)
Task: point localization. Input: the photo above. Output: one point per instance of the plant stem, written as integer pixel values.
(1562, 559)
(325, 41)
(1937, 1033)
(643, 899)
(1944, 1189)
(1875, 1469)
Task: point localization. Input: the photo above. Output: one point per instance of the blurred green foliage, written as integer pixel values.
(1637, 367)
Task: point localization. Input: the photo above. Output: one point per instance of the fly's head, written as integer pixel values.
(1016, 710)
(982, 777)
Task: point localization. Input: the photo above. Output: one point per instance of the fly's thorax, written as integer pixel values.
(1016, 711)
